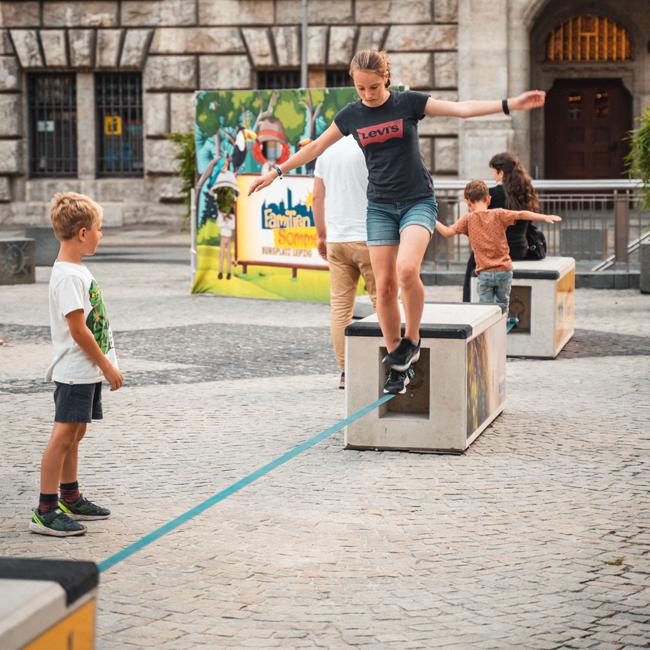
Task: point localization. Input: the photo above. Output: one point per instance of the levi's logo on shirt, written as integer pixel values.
(381, 132)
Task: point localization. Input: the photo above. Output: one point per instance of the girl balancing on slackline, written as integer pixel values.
(402, 206)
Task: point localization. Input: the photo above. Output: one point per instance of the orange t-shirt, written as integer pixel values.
(486, 230)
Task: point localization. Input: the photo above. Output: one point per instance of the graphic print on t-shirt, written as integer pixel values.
(97, 321)
(381, 132)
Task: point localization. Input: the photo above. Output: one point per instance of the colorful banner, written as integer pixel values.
(269, 238)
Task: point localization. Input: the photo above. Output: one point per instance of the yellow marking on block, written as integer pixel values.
(75, 632)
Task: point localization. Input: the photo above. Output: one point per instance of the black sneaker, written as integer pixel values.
(342, 381)
(398, 380)
(403, 355)
(84, 509)
(55, 523)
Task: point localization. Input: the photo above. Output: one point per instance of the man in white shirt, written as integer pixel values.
(339, 206)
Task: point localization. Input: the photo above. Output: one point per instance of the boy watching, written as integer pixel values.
(486, 230)
(84, 353)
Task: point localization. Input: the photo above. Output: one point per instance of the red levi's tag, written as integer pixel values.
(381, 132)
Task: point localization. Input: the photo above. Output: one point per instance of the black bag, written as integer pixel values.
(536, 243)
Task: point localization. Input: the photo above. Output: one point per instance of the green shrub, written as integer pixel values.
(638, 159)
(186, 156)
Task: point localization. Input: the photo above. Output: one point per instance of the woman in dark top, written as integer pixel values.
(402, 207)
(514, 192)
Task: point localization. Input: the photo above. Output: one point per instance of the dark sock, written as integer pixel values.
(69, 491)
(47, 503)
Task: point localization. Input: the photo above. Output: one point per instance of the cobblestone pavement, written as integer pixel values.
(537, 537)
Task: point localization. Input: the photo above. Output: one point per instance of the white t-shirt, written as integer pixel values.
(72, 287)
(342, 168)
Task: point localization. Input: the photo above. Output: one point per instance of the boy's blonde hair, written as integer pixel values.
(70, 212)
(476, 191)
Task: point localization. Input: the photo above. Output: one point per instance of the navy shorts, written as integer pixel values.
(77, 403)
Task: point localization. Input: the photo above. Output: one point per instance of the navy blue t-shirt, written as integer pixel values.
(388, 137)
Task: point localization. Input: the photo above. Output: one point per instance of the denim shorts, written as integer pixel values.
(77, 403)
(387, 220)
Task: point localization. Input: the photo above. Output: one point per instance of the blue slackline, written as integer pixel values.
(112, 560)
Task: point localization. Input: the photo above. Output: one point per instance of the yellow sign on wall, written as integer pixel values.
(112, 125)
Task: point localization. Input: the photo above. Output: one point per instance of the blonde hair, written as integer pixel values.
(476, 191)
(70, 212)
(373, 61)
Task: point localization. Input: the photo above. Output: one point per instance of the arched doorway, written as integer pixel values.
(590, 60)
(586, 126)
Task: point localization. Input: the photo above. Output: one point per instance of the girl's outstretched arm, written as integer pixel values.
(302, 157)
(475, 107)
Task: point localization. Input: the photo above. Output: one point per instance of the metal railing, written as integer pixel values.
(602, 223)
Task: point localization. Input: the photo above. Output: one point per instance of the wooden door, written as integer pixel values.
(586, 126)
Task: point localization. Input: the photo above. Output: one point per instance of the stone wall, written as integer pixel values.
(184, 45)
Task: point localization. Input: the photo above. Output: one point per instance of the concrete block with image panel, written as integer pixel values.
(47, 604)
(17, 260)
(543, 298)
(458, 389)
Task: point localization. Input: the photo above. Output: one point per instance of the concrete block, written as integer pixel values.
(157, 13)
(543, 298)
(197, 40)
(5, 189)
(108, 47)
(134, 50)
(16, 261)
(27, 47)
(412, 70)
(458, 390)
(54, 47)
(9, 74)
(224, 72)
(287, 45)
(156, 114)
(82, 48)
(183, 112)
(10, 157)
(371, 37)
(445, 66)
(238, 12)
(317, 45)
(341, 45)
(644, 261)
(19, 14)
(393, 11)
(319, 11)
(80, 14)
(159, 156)
(10, 115)
(445, 11)
(170, 73)
(258, 42)
(46, 244)
(406, 38)
(37, 612)
(446, 154)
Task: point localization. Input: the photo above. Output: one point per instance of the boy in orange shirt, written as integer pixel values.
(486, 230)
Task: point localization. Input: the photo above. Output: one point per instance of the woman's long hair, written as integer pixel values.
(517, 183)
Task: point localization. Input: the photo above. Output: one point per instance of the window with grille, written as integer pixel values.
(277, 79)
(338, 78)
(118, 101)
(588, 39)
(52, 101)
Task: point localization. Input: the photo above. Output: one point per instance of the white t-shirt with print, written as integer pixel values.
(342, 168)
(73, 287)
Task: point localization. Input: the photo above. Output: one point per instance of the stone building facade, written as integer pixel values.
(454, 49)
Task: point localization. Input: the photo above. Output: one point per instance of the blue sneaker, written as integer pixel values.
(84, 509)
